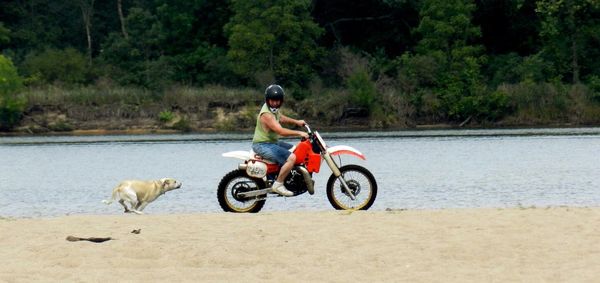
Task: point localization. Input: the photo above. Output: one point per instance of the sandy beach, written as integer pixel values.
(464, 245)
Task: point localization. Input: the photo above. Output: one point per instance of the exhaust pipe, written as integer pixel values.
(310, 183)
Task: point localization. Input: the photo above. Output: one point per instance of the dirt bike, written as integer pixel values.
(350, 187)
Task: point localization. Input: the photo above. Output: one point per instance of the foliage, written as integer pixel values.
(166, 116)
(182, 125)
(538, 103)
(407, 62)
(11, 106)
(56, 66)
(327, 107)
(11, 111)
(594, 84)
(362, 90)
(355, 70)
(278, 36)
(4, 35)
(61, 126)
(10, 82)
(138, 59)
(448, 37)
(193, 38)
(360, 24)
(570, 29)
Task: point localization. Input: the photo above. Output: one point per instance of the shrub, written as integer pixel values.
(537, 103)
(183, 125)
(502, 69)
(10, 82)
(67, 66)
(534, 69)
(166, 116)
(61, 126)
(594, 85)
(326, 108)
(497, 105)
(417, 71)
(11, 111)
(362, 89)
(11, 106)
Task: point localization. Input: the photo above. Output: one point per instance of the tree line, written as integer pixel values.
(394, 61)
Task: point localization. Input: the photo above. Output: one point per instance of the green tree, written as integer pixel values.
(11, 106)
(448, 37)
(66, 66)
(4, 35)
(138, 59)
(274, 36)
(194, 39)
(570, 30)
(39, 24)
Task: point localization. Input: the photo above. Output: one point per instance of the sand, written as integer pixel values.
(463, 245)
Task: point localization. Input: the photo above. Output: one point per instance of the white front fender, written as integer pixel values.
(344, 149)
(239, 154)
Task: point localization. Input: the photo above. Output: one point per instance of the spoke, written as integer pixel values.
(359, 185)
(239, 184)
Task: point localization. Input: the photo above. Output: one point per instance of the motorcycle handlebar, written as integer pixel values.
(307, 128)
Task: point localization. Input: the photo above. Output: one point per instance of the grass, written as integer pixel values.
(230, 109)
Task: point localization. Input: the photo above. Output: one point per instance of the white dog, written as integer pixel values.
(140, 193)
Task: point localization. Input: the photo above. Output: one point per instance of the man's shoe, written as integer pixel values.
(280, 189)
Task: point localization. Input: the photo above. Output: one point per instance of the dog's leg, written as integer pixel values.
(136, 208)
(128, 195)
(141, 206)
(122, 202)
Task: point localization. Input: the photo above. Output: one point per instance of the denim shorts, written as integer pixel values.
(276, 152)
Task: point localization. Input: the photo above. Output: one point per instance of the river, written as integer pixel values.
(47, 176)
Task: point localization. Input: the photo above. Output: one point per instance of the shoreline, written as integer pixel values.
(554, 244)
(315, 211)
(153, 131)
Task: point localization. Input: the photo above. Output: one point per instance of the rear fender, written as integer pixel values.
(239, 154)
(344, 149)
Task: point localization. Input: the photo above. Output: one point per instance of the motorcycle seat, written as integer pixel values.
(258, 157)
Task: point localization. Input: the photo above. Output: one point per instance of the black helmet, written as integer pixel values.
(274, 92)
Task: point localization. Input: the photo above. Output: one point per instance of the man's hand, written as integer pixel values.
(304, 135)
(300, 123)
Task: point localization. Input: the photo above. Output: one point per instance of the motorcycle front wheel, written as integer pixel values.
(361, 183)
(234, 183)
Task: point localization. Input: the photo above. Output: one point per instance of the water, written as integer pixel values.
(53, 176)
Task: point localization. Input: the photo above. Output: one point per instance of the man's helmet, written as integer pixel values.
(274, 92)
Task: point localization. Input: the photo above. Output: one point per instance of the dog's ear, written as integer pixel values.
(163, 182)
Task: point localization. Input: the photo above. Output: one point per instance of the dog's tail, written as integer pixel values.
(112, 198)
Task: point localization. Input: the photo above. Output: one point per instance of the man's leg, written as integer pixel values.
(281, 155)
(286, 168)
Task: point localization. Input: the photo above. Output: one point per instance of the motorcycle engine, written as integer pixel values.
(295, 182)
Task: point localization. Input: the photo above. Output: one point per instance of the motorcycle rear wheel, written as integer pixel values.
(233, 183)
(362, 184)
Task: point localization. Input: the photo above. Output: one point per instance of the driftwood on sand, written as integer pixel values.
(91, 239)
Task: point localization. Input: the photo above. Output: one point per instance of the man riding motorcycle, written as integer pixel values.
(266, 136)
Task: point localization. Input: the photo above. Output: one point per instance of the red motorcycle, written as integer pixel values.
(350, 187)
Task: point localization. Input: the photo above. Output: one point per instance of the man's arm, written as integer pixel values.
(288, 120)
(269, 122)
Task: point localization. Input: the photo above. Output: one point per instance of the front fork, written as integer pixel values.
(336, 171)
